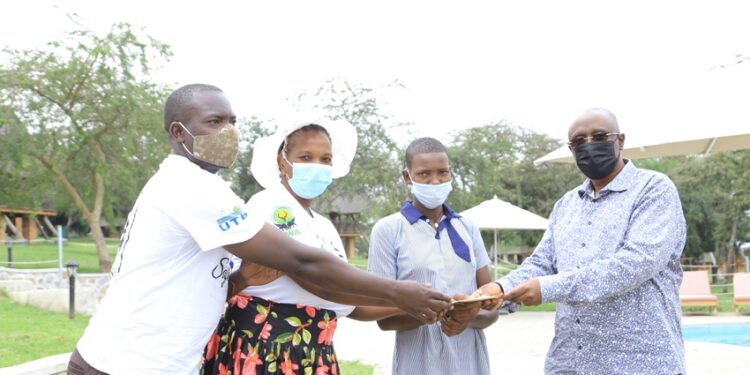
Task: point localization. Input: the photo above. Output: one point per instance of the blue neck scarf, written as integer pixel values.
(412, 215)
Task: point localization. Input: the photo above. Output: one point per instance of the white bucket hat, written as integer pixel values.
(343, 142)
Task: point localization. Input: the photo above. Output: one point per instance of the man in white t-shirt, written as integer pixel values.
(171, 274)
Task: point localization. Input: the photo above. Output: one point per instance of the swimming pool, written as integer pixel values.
(735, 334)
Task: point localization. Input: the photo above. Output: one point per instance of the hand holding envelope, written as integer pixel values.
(494, 292)
(463, 310)
(528, 293)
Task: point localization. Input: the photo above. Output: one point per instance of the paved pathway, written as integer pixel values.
(518, 343)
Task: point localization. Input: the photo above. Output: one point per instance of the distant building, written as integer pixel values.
(345, 211)
(25, 225)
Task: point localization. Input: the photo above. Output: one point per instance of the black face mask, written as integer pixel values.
(596, 159)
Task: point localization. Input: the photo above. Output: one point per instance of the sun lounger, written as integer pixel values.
(695, 290)
(741, 291)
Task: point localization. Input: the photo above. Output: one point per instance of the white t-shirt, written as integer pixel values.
(277, 206)
(169, 279)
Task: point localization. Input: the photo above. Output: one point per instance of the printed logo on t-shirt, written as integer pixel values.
(233, 219)
(284, 219)
(222, 270)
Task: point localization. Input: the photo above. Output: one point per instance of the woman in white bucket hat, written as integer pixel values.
(279, 323)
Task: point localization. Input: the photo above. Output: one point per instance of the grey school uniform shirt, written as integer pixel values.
(403, 246)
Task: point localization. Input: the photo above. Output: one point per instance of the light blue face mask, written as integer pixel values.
(309, 180)
(431, 196)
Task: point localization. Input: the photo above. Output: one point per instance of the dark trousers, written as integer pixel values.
(78, 366)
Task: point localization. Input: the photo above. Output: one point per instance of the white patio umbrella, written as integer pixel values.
(699, 146)
(497, 214)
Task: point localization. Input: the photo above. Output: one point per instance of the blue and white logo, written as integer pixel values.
(233, 219)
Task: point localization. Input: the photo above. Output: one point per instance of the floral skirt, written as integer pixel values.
(256, 336)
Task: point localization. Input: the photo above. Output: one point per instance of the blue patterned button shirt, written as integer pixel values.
(612, 264)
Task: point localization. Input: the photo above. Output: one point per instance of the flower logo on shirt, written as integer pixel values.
(283, 218)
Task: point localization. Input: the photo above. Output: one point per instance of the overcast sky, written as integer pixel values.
(536, 64)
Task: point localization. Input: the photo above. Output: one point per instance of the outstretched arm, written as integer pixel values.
(370, 313)
(399, 322)
(655, 237)
(272, 248)
(339, 297)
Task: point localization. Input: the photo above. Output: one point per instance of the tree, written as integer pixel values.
(376, 168)
(722, 182)
(243, 182)
(715, 198)
(85, 111)
(498, 160)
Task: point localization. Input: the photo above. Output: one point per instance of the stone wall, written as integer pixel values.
(52, 365)
(43, 288)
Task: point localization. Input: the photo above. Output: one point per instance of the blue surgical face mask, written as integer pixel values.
(431, 196)
(309, 180)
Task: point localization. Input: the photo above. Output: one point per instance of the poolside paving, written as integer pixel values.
(518, 343)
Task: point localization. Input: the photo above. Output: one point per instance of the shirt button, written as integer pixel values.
(588, 223)
(580, 347)
(583, 244)
(578, 320)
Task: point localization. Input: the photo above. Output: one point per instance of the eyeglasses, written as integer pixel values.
(596, 137)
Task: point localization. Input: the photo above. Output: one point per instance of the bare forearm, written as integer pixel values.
(484, 319)
(344, 282)
(400, 322)
(370, 313)
(339, 297)
(272, 248)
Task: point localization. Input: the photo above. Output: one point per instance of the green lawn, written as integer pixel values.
(725, 300)
(359, 261)
(81, 249)
(542, 307)
(356, 368)
(29, 333)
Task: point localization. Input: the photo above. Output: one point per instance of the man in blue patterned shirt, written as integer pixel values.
(610, 259)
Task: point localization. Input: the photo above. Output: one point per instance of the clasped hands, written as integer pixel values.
(458, 318)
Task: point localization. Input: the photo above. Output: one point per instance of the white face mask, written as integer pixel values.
(431, 196)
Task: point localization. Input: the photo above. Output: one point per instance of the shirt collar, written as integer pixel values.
(620, 183)
(412, 214)
(460, 247)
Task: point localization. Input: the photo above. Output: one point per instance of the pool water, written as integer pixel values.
(735, 334)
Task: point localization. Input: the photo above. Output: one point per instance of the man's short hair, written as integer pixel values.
(178, 100)
(423, 145)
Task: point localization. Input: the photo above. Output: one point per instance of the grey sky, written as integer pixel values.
(463, 64)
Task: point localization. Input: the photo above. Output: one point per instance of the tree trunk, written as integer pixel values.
(105, 265)
(92, 216)
(732, 240)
